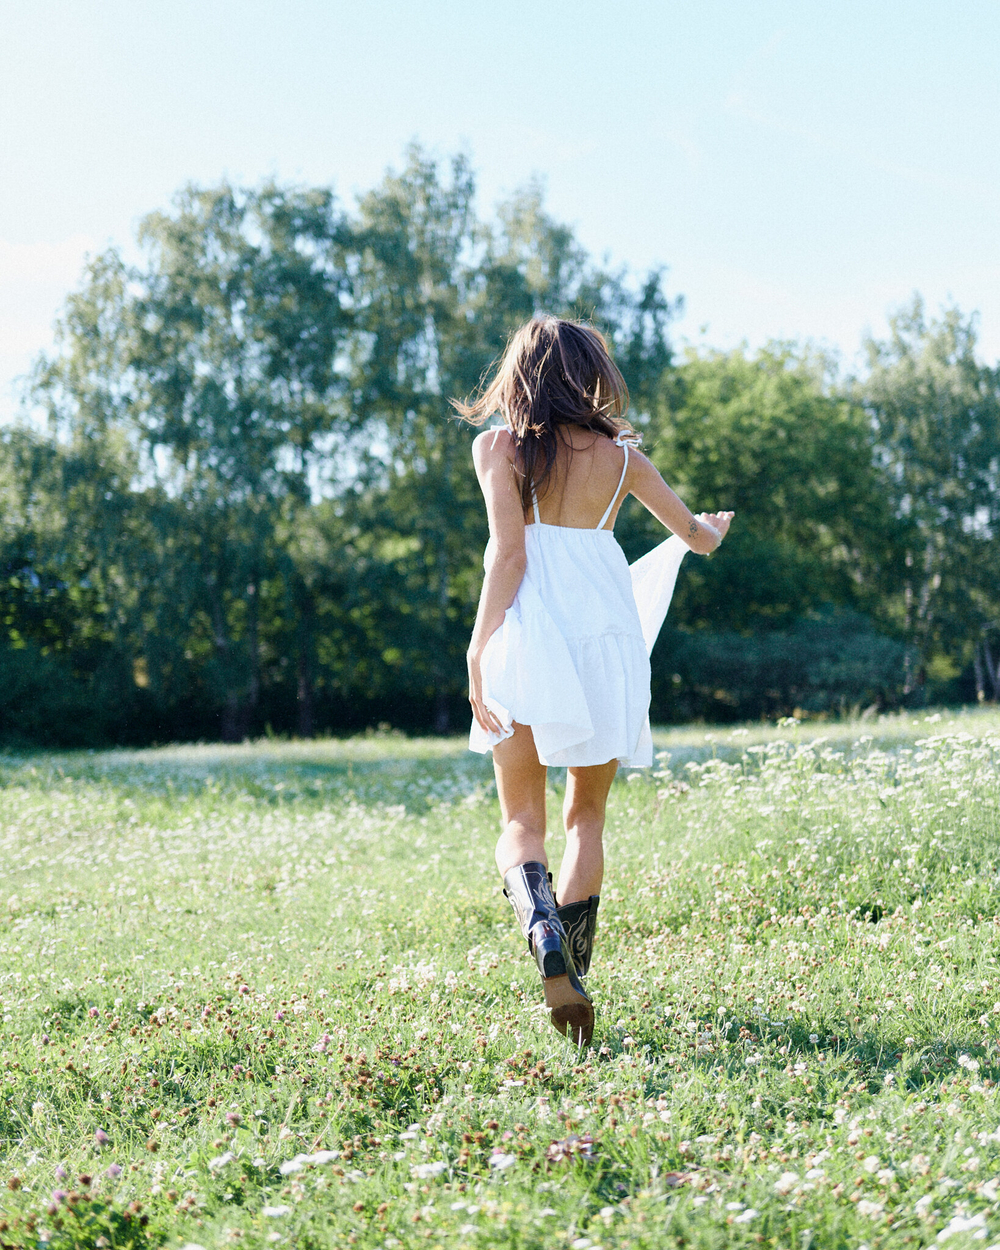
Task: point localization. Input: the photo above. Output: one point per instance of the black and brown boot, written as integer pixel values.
(580, 922)
(530, 894)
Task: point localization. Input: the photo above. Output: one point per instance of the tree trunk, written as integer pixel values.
(992, 666)
(304, 692)
(442, 716)
(977, 668)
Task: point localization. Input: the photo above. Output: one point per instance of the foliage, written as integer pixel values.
(768, 436)
(253, 466)
(273, 993)
(936, 418)
(253, 506)
(833, 663)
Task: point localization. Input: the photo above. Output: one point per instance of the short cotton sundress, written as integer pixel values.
(571, 658)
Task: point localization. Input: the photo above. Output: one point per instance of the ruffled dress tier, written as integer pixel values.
(571, 658)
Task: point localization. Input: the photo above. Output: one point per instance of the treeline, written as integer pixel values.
(249, 506)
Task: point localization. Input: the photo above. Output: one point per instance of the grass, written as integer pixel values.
(272, 995)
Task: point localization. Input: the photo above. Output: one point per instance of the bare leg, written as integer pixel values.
(520, 857)
(521, 790)
(584, 808)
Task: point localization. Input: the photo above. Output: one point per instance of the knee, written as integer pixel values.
(582, 817)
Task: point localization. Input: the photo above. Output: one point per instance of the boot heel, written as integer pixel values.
(547, 946)
(529, 890)
(569, 1011)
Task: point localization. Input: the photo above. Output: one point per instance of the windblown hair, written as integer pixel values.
(553, 374)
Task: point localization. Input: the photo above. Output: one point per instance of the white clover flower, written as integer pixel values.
(274, 1213)
(786, 1182)
(962, 1224)
(502, 1161)
(424, 1170)
(220, 1161)
(746, 1216)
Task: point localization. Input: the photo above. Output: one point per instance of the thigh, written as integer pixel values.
(587, 788)
(520, 778)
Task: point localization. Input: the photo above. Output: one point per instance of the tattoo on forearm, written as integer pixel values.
(693, 529)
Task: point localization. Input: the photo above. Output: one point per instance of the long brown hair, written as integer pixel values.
(554, 373)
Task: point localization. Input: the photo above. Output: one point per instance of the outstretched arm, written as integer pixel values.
(702, 533)
(492, 455)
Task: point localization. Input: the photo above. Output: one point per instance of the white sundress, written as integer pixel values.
(571, 658)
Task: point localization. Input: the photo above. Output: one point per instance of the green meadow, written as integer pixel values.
(271, 995)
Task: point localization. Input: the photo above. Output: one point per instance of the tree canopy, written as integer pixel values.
(251, 503)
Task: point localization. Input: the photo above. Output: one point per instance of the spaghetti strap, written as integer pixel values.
(621, 481)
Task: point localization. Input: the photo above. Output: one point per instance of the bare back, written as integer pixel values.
(587, 474)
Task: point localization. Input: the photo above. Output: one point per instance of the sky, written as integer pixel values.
(800, 167)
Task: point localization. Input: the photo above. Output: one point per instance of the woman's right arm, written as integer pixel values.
(702, 533)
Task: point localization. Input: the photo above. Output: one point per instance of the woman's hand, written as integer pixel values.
(484, 717)
(718, 521)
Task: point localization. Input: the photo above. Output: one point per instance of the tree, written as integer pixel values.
(436, 294)
(216, 366)
(935, 413)
(255, 436)
(768, 436)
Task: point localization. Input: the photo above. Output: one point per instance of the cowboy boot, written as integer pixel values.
(580, 922)
(570, 1010)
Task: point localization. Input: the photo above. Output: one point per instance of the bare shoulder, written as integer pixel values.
(491, 447)
(640, 467)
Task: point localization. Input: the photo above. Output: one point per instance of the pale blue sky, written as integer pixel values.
(800, 167)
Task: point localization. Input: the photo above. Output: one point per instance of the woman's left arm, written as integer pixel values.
(492, 455)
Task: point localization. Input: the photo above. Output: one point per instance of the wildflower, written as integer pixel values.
(321, 1046)
(908, 1043)
(93, 1013)
(101, 1138)
(746, 1216)
(113, 1172)
(274, 1212)
(869, 1208)
(424, 1170)
(786, 1182)
(220, 1161)
(234, 1118)
(961, 1224)
(61, 1172)
(501, 1161)
(813, 1039)
(872, 1163)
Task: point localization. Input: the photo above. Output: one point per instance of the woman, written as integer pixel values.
(558, 668)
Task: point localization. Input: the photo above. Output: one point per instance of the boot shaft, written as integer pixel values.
(580, 922)
(529, 892)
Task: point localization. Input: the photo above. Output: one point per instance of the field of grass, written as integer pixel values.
(271, 995)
